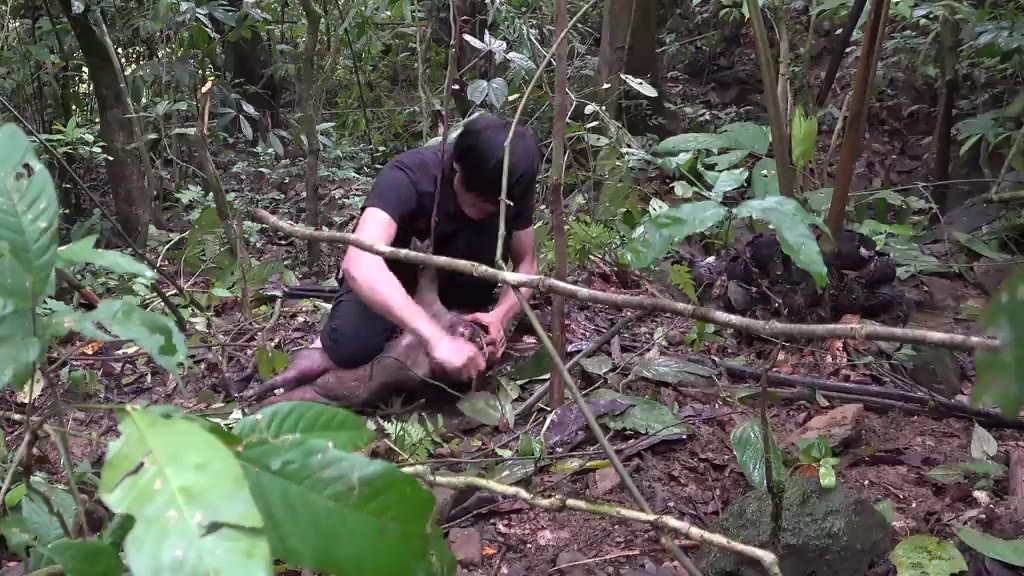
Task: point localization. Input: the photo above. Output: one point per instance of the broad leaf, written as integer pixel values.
(640, 85)
(193, 511)
(983, 445)
(497, 92)
(727, 160)
(86, 558)
(669, 226)
(764, 178)
(729, 180)
(804, 136)
(270, 363)
(748, 445)
(1001, 372)
(1008, 551)
(672, 371)
(358, 516)
(789, 219)
(748, 136)
(290, 421)
(474, 42)
(646, 417)
(38, 518)
(18, 356)
(481, 406)
(925, 555)
(154, 333)
(522, 61)
(28, 219)
(477, 91)
(598, 365)
(675, 145)
(83, 252)
(979, 246)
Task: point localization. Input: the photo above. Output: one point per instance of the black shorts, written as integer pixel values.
(354, 334)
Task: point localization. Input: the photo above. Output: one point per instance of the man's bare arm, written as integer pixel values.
(523, 250)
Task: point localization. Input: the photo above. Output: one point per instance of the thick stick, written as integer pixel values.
(556, 201)
(558, 503)
(749, 325)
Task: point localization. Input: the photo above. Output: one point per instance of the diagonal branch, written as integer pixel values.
(740, 323)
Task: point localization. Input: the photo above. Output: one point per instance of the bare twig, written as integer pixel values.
(558, 503)
(743, 324)
(772, 484)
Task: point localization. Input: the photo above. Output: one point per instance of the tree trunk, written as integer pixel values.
(555, 199)
(947, 100)
(126, 170)
(249, 60)
(307, 96)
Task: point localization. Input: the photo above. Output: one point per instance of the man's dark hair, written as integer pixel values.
(479, 151)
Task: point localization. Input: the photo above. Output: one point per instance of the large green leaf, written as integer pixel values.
(86, 558)
(292, 420)
(1001, 372)
(790, 221)
(358, 516)
(804, 136)
(748, 136)
(38, 518)
(729, 180)
(669, 226)
(748, 445)
(644, 416)
(1009, 551)
(28, 216)
(764, 179)
(193, 511)
(680, 143)
(925, 555)
(84, 252)
(154, 333)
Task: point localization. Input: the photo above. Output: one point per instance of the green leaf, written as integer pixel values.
(481, 406)
(729, 180)
(154, 333)
(18, 356)
(680, 277)
(764, 179)
(675, 145)
(727, 160)
(38, 518)
(748, 136)
(886, 510)
(818, 201)
(640, 85)
(28, 220)
(1001, 372)
(983, 445)
(497, 92)
(270, 363)
(1008, 551)
(814, 450)
(804, 136)
(86, 558)
(82, 252)
(789, 219)
(827, 472)
(477, 91)
(646, 417)
(537, 365)
(925, 555)
(669, 226)
(15, 494)
(979, 246)
(358, 516)
(993, 470)
(598, 365)
(193, 511)
(946, 474)
(17, 536)
(748, 445)
(672, 371)
(289, 421)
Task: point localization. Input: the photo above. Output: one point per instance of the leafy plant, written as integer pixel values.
(924, 555)
(748, 446)
(981, 465)
(415, 440)
(816, 453)
(1008, 551)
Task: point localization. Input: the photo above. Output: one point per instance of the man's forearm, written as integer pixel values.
(378, 287)
(507, 305)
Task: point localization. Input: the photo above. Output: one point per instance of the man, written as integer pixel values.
(374, 301)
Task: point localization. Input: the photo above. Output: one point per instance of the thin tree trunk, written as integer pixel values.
(556, 202)
(128, 166)
(309, 117)
(839, 50)
(612, 57)
(944, 127)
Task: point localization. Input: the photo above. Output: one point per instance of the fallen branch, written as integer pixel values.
(559, 503)
(749, 325)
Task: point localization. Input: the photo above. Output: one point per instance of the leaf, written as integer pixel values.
(18, 356)
(497, 92)
(1008, 551)
(38, 518)
(748, 445)
(481, 406)
(288, 421)
(789, 219)
(537, 365)
(83, 252)
(886, 510)
(640, 85)
(979, 246)
(477, 91)
(246, 128)
(646, 417)
(1001, 372)
(804, 137)
(512, 471)
(28, 220)
(727, 160)
(946, 474)
(270, 363)
(925, 555)
(86, 558)
(16, 534)
(154, 333)
(680, 277)
(474, 42)
(522, 61)
(677, 223)
(983, 445)
(827, 472)
(818, 201)
(384, 514)
(15, 494)
(764, 179)
(748, 136)
(988, 468)
(671, 371)
(193, 511)
(598, 365)
(675, 145)
(729, 180)
(275, 143)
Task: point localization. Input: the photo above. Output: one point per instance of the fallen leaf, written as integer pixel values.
(91, 348)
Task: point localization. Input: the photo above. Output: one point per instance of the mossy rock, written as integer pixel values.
(826, 532)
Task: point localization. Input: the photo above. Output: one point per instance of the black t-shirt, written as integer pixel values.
(405, 190)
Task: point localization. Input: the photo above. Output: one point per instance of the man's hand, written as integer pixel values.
(494, 321)
(457, 357)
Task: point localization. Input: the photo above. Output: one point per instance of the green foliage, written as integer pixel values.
(681, 278)
(643, 416)
(804, 136)
(748, 446)
(83, 252)
(656, 235)
(790, 221)
(1008, 551)
(86, 558)
(416, 438)
(270, 363)
(818, 453)
(1001, 372)
(924, 555)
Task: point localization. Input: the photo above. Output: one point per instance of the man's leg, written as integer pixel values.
(352, 336)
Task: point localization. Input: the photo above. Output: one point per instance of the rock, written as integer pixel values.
(603, 481)
(936, 369)
(840, 426)
(825, 532)
(466, 546)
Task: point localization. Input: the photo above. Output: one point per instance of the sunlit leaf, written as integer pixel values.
(86, 558)
(983, 445)
(679, 143)
(804, 136)
(925, 555)
(481, 406)
(640, 85)
(747, 136)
